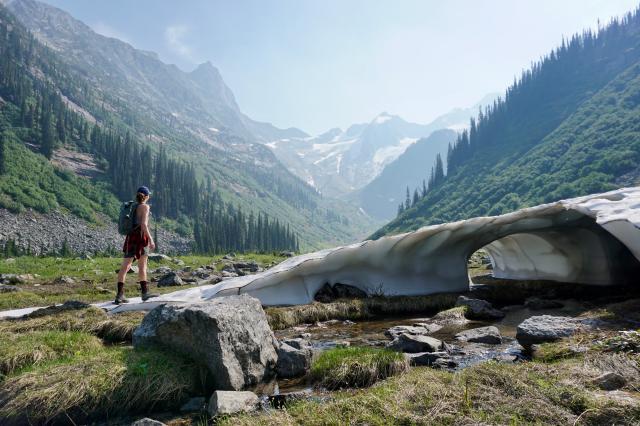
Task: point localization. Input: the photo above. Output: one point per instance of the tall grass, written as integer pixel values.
(357, 309)
(356, 367)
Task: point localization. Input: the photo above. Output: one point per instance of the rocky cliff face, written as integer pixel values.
(47, 233)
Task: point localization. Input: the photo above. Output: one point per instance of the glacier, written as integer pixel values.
(593, 239)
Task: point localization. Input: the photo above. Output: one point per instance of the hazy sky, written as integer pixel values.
(317, 64)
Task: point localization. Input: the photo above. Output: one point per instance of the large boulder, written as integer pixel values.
(490, 335)
(229, 335)
(479, 309)
(547, 328)
(229, 402)
(293, 361)
(413, 343)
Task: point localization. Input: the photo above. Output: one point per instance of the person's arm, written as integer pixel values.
(144, 225)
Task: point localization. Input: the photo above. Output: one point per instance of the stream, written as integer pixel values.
(334, 333)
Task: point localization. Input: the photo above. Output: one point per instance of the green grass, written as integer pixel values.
(111, 328)
(111, 382)
(94, 278)
(18, 351)
(356, 366)
(488, 393)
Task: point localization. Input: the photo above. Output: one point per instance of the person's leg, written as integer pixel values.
(124, 268)
(142, 276)
(142, 268)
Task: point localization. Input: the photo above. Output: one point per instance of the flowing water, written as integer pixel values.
(330, 334)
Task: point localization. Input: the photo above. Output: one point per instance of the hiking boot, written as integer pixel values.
(120, 299)
(144, 291)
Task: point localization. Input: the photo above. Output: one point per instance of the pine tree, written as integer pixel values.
(407, 200)
(416, 197)
(400, 209)
(438, 176)
(424, 189)
(3, 154)
(47, 141)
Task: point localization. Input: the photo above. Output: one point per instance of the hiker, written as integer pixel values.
(137, 244)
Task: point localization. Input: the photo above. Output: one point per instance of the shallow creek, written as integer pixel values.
(330, 334)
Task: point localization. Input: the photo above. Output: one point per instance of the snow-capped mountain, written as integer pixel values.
(340, 161)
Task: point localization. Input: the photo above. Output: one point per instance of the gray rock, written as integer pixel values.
(422, 329)
(64, 280)
(4, 288)
(281, 400)
(147, 422)
(287, 254)
(164, 270)
(197, 404)
(490, 335)
(479, 309)
(425, 358)
(298, 342)
(230, 402)
(293, 362)
(610, 381)
(416, 343)
(158, 257)
(12, 279)
(170, 280)
(178, 262)
(444, 363)
(546, 328)
(535, 303)
(229, 335)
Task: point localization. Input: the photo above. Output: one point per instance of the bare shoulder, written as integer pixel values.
(145, 207)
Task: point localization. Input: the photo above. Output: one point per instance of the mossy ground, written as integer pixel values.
(94, 279)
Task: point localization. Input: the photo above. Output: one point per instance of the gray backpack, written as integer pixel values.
(127, 217)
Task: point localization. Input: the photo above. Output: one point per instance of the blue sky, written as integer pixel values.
(317, 64)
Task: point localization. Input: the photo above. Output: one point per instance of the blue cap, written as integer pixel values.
(144, 190)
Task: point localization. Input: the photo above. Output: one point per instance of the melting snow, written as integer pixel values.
(214, 130)
(387, 154)
(382, 118)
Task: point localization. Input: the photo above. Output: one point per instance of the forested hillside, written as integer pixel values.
(54, 103)
(569, 126)
(36, 120)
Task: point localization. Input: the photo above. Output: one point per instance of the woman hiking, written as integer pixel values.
(137, 246)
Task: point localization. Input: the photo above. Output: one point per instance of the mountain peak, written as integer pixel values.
(382, 117)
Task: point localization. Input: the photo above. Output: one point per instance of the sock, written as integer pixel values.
(120, 287)
(144, 287)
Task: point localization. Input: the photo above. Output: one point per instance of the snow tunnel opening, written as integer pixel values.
(578, 251)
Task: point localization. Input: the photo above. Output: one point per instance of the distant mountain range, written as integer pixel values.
(340, 162)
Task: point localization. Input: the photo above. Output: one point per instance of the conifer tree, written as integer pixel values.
(3, 154)
(47, 140)
(407, 200)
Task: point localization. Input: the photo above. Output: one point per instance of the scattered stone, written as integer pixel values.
(229, 335)
(163, 270)
(6, 288)
(536, 304)
(64, 280)
(170, 280)
(547, 328)
(250, 266)
(197, 404)
(293, 362)
(103, 290)
(213, 279)
(610, 381)
(178, 262)
(231, 402)
(158, 257)
(15, 279)
(227, 274)
(445, 363)
(425, 358)
(297, 342)
(506, 358)
(201, 273)
(421, 329)
(490, 335)
(479, 309)
(287, 254)
(147, 422)
(348, 322)
(10, 260)
(281, 400)
(229, 256)
(416, 343)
